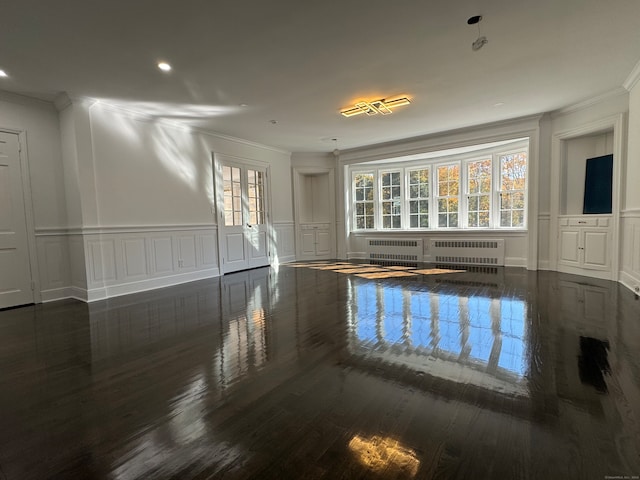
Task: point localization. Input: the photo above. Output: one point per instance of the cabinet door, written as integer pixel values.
(323, 242)
(569, 243)
(596, 249)
(308, 238)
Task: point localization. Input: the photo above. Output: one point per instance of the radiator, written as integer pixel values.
(468, 252)
(387, 249)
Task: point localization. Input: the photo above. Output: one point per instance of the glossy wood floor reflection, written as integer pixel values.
(315, 371)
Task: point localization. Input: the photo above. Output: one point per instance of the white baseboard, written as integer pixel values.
(629, 281)
(544, 265)
(54, 294)
(287, 259)
(109, 291)
(356, 255)
(515, 262)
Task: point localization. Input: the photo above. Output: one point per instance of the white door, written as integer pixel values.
(15, 270)
(243, 226)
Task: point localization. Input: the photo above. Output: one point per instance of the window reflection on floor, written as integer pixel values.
(474, 330)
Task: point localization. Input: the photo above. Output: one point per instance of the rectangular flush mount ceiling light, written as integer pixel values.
(382, 107)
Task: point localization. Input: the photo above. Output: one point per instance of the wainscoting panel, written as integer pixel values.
(284, 242)
(161, 253)
(134, 258)
(630, 248)
(544, 223)
(101, 259)
(54, 263)
(104, 262)
(186, 252)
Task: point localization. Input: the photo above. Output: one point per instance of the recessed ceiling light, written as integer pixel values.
(499, 104)
(273, 122)
(3, 74)
(243, 105)
(164, 66)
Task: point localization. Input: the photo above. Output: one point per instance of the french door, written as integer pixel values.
(243, 217)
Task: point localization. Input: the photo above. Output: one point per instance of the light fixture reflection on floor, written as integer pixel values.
(384, 454)
(382, 107)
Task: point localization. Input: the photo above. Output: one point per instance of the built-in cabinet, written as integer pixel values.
(585, 242)
(314, 195)
(315, 240)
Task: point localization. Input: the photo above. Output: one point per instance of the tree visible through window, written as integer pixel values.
(419, 198)
(391, 200)
(513, 171)
(363, 189)
(479, 193)
(448, 191)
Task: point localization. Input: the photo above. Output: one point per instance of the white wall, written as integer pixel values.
(630, 221)
(123, 203)
(40, 122)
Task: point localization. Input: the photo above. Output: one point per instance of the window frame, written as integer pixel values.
(463, 161)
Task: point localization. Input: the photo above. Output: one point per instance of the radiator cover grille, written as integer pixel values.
(389, 249)
(468, 252)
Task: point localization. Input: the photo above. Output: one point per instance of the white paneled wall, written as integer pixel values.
(284, 241)
(124, 260)
(544, 244)
(630, 249)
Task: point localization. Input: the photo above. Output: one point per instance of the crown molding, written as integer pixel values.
(26, 100)
(616, 92)
(633, 78)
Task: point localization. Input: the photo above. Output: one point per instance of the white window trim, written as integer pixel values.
(432, 163)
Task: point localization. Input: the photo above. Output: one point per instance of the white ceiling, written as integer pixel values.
(300, 62)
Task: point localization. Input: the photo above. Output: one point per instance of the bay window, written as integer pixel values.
(419, 198)
(482, 189)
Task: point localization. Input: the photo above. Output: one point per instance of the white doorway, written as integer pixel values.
(243, 213)
(16, 286)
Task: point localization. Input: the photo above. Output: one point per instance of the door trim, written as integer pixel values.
(23, 155)
(217, 160)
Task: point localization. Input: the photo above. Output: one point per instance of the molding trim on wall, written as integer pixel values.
(544, 216)
(486, 133)
(589, 102)
(630, 213)
(287, 259)
(515, 262)
(629, 281)
(633, 78)
(95, 294)
(49, 231)
(55, 294)
(543, 265)
(25, 100)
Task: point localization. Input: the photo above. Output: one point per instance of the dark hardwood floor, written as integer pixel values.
(328, 372)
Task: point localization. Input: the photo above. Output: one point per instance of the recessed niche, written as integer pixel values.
(576, 153)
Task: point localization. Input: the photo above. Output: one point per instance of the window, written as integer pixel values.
(448, 191)
(479, 193)
(363, 194)
(255, 194)
(232, 196)
(480, 188)
(419, 198)
(391, 200)
(513, 170)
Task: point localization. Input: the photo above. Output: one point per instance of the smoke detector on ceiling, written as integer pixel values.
(481, 41)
